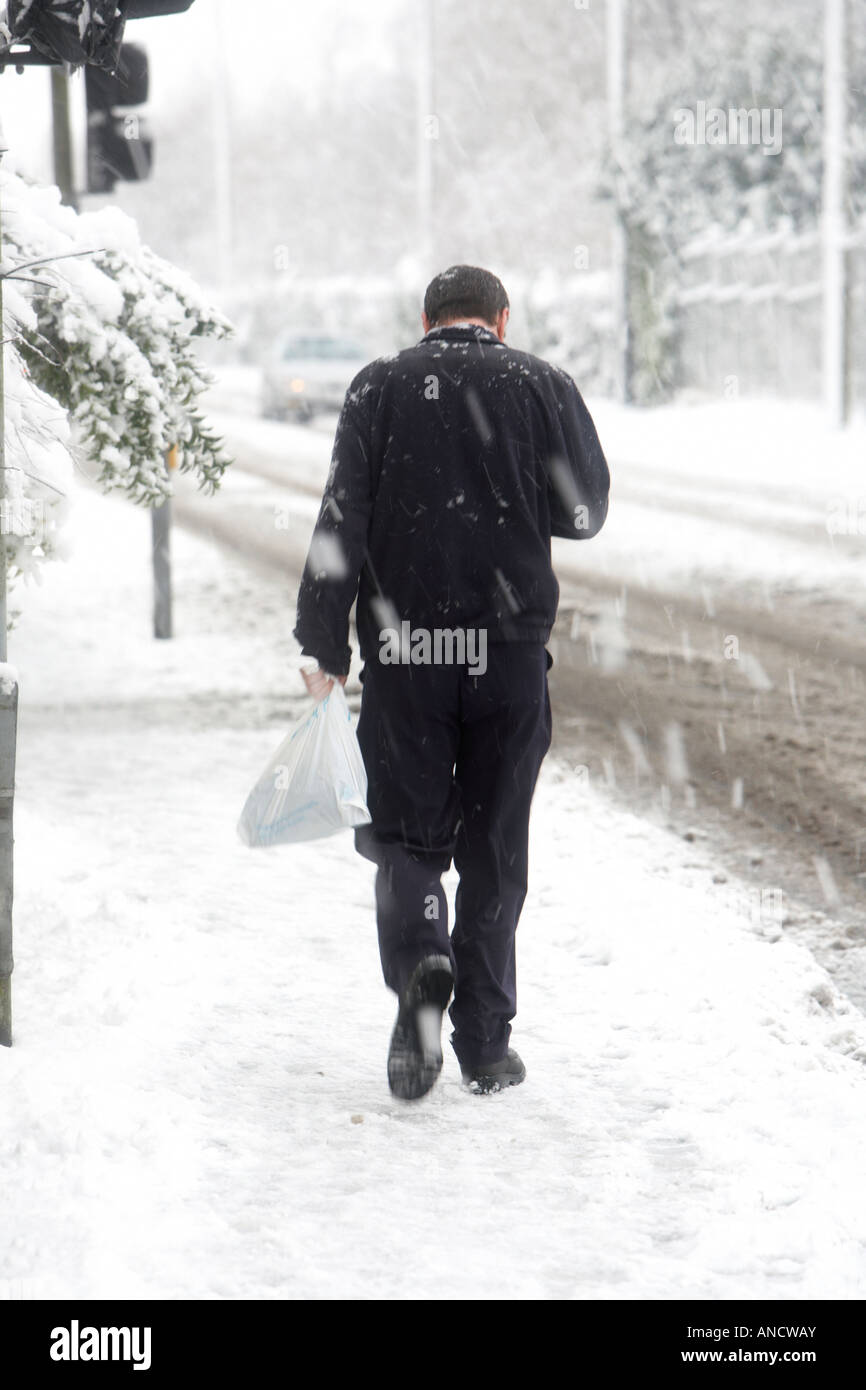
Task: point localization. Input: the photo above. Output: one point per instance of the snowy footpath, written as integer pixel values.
(196, 1103)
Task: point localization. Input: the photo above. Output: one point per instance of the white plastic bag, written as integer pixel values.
(315, 783)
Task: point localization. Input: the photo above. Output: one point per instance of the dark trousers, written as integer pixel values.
(452, 760)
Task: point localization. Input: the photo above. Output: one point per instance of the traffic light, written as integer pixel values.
(118, 142)
(76, 32)
(64, 31)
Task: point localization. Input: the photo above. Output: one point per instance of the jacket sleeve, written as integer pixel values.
(339, 544)
(577, 472)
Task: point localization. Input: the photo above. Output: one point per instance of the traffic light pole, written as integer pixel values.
(161, 532)
(8, 729)
(62, 137)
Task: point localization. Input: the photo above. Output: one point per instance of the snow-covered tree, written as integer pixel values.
(100, 364)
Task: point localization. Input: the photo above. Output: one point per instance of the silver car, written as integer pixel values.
(309, 372)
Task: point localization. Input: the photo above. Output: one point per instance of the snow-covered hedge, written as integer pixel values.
(100, 364)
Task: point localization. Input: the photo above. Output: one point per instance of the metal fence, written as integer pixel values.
(749, 316)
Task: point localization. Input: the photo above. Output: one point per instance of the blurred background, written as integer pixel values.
(318, 165)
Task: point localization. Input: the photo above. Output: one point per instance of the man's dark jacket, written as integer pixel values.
(454, 462)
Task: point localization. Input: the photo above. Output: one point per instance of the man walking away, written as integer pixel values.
(454, 463)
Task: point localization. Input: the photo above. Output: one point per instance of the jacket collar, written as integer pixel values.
(461, 333)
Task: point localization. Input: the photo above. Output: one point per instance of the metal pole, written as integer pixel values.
(62, 137)
(3, 619)
(617, 18)
(222, 152)
(161, 530)
(8, 731)
(427, 135)
(833, 224)
(8, 726)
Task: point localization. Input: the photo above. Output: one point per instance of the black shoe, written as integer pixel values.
(495, 1076)
(415, 1055)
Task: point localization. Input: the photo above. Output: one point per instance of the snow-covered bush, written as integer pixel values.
(100, 363)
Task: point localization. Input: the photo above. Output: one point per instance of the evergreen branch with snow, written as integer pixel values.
(101, 364)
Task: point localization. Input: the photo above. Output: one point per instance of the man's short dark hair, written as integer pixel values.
(464, 292)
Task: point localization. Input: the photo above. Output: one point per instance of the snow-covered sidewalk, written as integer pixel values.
(196, 1103)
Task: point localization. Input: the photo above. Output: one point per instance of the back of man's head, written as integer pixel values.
(464, 292)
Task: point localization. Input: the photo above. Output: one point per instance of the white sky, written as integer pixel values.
(305, 43)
